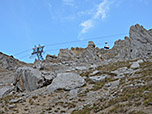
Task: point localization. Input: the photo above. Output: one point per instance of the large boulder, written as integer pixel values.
(97, 78)
(27, 78)
(66, 81)
(135, 65)
(4, 91)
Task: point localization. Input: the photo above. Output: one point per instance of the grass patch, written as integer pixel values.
(35, 97)
(85, 110)
(119, 108)
(137, 112)
(114, 66)
(31, 102)
(97, 86)
(6, 99)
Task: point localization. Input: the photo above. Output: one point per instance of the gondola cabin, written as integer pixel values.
(106, 46)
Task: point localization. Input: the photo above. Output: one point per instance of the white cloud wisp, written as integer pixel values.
(68, 2)
(102, 9)
(86, 25)
(101, 12)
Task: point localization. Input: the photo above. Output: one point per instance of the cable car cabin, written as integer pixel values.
(106, 47)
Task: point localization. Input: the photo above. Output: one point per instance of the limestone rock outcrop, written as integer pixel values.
(9, 62)
(66, 81)
(29, 79)
(52, 58)
(6, 90)
(80, 55)
(91, 44)
(137, 45)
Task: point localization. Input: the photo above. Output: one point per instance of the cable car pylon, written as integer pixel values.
(38, 51)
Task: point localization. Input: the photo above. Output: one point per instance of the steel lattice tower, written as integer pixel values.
(38, 52)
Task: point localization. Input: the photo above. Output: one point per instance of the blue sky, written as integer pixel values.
(25, 23)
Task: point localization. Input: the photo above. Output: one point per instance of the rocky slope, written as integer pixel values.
(8, 66)
(83, 80)
(9, 62)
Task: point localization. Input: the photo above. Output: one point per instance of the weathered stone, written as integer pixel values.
(15, 100)
(30, 79)
(135, 65)
(73, 93)
(66, 81)
(92, 96)
(91, 44)
(80, 68)
(94, 73)
(93, 66)
(9, 62)
(97, 78)
(52, 58)
(122, 71)
(137, 45)
(6, 90)
(112, 85)
(40, 65)
(48, 75)
(11, 106)
(140, 61)
(80, 55)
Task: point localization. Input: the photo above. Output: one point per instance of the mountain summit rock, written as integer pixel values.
(137, 45)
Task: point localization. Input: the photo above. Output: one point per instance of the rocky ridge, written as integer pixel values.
(9, 62)
(82, 80)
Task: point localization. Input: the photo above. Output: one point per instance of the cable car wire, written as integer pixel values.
(61, 43)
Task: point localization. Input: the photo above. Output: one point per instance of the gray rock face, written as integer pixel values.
(66, 81)
(5, 91)
(52, 58)
(94, 73)
(97, 78)
(135, 65)
(81, 55)
(9, 62)
(141, 40)
(91, 96)
(73, 93)
(27, 78)
(139, 44)
(122, 71)
(140, 61)
(80, 68)
(11, 106)
(112, 85)
(15, 100)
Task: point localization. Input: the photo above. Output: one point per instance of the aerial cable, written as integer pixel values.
(24, 56)
(60, 43)
(22, 52)
(59, 49)
(100, 37)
